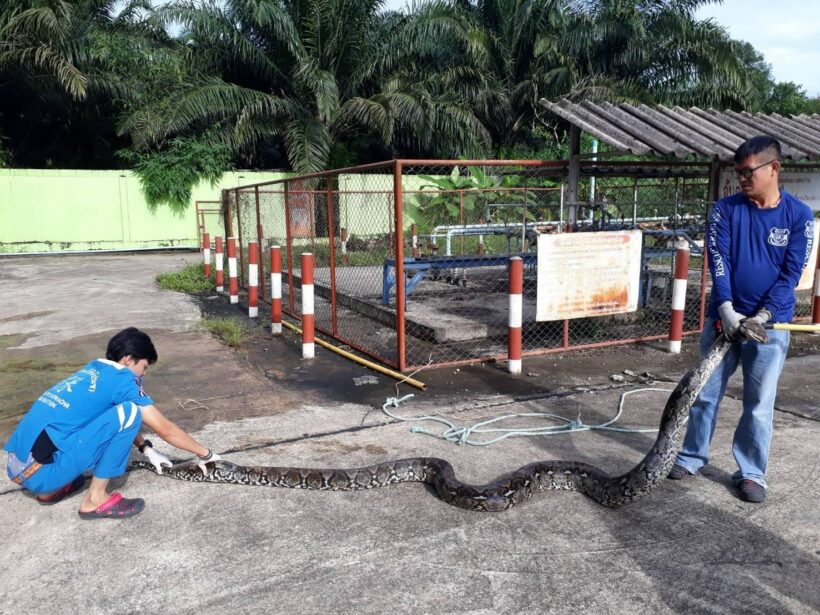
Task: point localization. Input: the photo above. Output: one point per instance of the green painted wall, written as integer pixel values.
(71, 210)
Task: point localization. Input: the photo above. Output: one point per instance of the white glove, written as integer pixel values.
(157, 459)
(763, 316)
(203, 462)
(729, 319)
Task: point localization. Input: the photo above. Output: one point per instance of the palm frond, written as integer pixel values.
(308, 144)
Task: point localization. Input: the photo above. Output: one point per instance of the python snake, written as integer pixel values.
(504, 492)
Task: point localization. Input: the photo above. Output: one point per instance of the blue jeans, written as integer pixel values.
(761, 364)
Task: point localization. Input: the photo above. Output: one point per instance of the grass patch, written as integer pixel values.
(230, 331)
(189, 280)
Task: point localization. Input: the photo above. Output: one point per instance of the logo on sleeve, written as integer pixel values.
(779, 237)
(810, 229)
(139, 382)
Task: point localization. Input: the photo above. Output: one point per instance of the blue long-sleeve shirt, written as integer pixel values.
(756, 255)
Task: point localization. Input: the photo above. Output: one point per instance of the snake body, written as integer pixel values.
(505, 491)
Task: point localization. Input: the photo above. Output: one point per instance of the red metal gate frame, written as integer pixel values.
(398, 167)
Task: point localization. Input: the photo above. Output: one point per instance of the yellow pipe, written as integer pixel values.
(375, 366)
(787, 326)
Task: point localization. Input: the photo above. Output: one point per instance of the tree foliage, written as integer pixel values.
(312, 84)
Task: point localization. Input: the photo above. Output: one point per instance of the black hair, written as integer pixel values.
(131, 342)
(756, 145)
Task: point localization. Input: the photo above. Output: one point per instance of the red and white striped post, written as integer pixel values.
(275, 290)
(220, 266)
(253, 279)
(516, 316)
(678, 297)
(206, 254)
(308, 319)
(233, 282)
(343, 241)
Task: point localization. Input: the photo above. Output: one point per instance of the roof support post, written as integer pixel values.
(573, 175)
(714, 181)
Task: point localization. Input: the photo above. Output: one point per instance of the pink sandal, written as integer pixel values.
(115, 507)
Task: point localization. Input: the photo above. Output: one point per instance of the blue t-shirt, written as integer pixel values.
(756, 255)
(74, 402)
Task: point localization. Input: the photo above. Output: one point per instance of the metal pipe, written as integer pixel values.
(289, 250)
(561, 212)
(331, 235)
(374, 366)
(259, 237)
(400, 281)
(592, 179)
(787, 326)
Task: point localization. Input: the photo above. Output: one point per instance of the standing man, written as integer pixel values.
(759, 241)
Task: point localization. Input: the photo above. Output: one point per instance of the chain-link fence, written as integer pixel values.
(208, 219)
(427, 282)
(472, 218)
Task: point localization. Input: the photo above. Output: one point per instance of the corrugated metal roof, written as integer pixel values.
(640, 129)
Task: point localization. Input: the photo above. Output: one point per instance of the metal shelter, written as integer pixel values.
(683, 133)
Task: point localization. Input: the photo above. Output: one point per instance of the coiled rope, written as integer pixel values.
(462, 434)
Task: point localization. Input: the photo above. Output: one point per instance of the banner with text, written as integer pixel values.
(807, 279)
(805, 186)
(588, 274)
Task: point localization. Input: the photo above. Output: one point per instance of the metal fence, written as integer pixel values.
(208, 219)
(447, 229)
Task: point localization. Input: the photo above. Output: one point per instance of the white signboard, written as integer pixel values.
(805, 186)
(588, 274)
(807, 279)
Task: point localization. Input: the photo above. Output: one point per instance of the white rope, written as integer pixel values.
(461, 434)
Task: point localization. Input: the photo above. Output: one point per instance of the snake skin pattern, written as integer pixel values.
(504, 492)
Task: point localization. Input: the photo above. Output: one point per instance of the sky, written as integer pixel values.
(786, 32)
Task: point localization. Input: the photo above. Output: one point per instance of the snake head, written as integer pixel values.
(752, 329)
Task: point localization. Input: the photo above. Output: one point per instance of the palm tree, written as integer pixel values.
(37, 38)
(505, 55)
(306, 74)
(72, 68)
(485, 54)
(654, 51)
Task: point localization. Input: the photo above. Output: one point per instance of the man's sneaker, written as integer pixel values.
(678, 472)
(750, 491)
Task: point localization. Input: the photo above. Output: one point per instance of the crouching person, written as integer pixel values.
(89, 421)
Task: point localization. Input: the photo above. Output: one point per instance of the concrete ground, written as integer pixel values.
(689, 547)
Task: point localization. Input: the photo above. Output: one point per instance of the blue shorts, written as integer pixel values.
(103, 446)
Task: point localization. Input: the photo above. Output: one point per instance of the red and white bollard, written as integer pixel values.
(253, 279)
(516, 315)
(679, 297)
(308, 319)
(220, 266)
(206, 254)
(275, 289)
(233, 281)
(343, 241)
